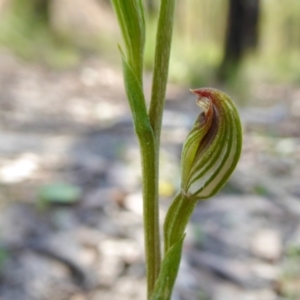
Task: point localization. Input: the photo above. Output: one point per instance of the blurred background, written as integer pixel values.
(70, 190)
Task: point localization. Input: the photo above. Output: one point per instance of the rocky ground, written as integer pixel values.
(74, 127)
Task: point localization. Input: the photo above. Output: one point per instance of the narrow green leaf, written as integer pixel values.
(147, 144)
(177, 219)
(135, 97)
(168, 272)
(130, 14)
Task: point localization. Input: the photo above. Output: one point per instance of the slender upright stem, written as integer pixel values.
(159, 85)
(161, 66)
(151, 209)
(146, 140)
(147, 126)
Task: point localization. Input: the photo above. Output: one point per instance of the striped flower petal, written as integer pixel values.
(213, 147)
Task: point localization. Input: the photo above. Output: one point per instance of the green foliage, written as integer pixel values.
(132, 23)
(25, 29)
(168, 273)
(209, 156)
(136, 99)
(197, 44)
(131, 20)
(199, 39)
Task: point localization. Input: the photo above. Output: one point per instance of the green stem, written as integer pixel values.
(177, 219)
(161, 66)
(159, 84)
(146, 140)
(151, 216)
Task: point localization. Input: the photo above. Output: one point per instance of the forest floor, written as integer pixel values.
(70, 133)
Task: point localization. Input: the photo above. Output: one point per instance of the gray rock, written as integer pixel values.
(267, 244)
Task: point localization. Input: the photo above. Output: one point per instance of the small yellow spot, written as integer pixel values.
(166, 188)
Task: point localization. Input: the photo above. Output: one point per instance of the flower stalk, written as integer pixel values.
(161, 67)
(131, 19)
(210, 152)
